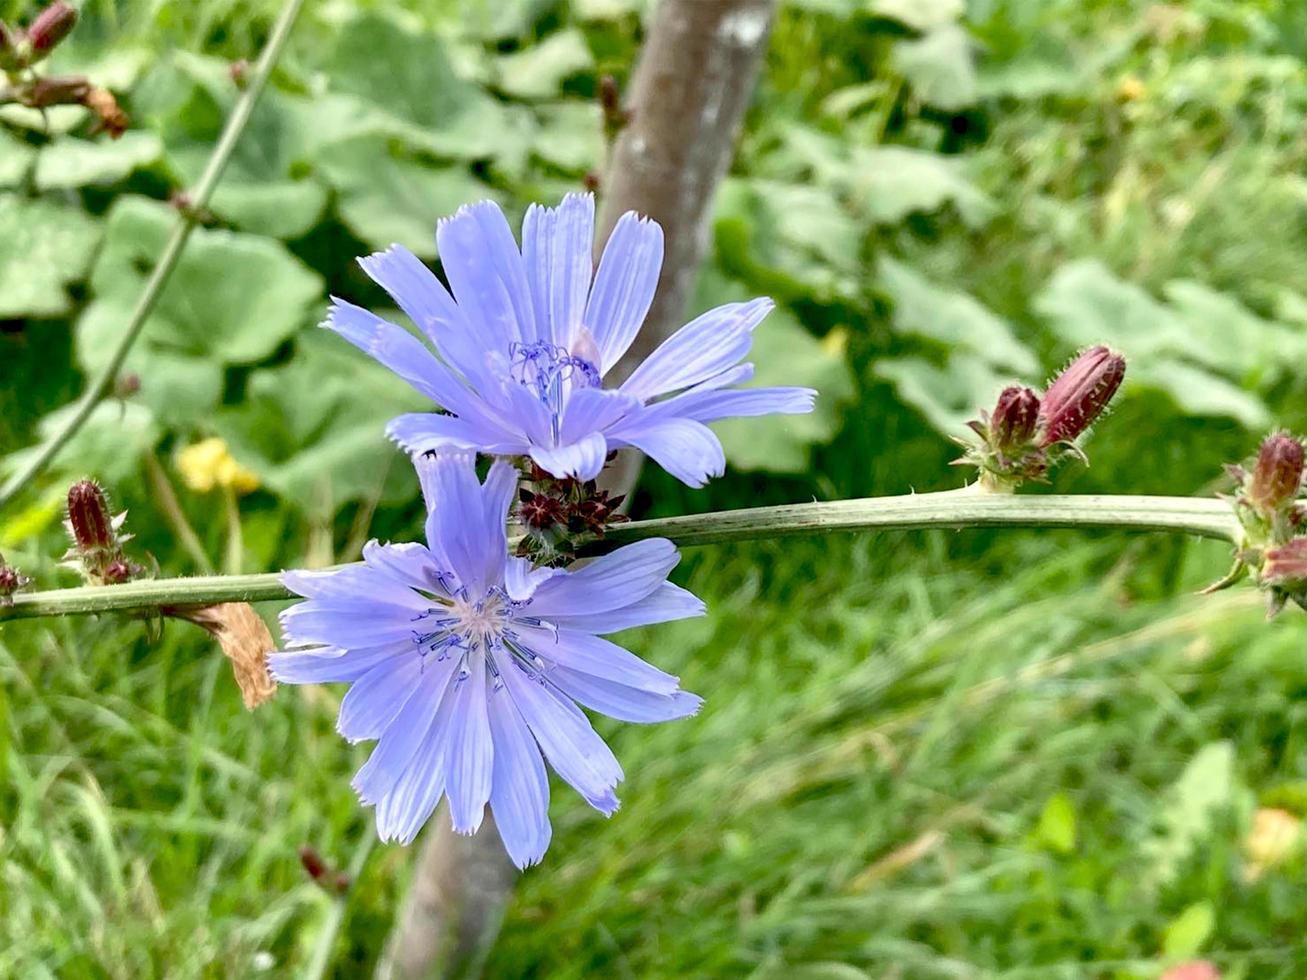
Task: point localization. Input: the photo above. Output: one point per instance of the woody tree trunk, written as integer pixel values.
(687, 98)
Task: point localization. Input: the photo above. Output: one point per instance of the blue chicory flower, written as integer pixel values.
(467, 664)
(527, 337)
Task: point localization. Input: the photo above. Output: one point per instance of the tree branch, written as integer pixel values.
(687, 99)
(1201, 516)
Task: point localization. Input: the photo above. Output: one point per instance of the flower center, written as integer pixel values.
(462, 625)
(551, 373)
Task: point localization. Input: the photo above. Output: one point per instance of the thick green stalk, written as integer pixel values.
(1209, 518)
(154, 286)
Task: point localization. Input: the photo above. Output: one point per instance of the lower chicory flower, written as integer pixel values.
(467, 664)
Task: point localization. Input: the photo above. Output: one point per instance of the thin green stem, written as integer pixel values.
(1204, 517)
(326, 940)
(154, 286)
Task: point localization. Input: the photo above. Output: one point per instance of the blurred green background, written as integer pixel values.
(1017, 755)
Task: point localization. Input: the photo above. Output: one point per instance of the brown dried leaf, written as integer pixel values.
(245, 639)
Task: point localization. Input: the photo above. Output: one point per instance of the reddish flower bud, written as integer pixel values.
(118, 571)
(1079, 394)
(1277, 477)
(51, 26)
(109, 115)
(11, 580)
(239, 73)
(1016, 414)
(336, 882)
(1285, 565)
(88, 518)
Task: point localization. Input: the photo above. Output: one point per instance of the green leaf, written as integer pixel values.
(1188, 932)
(1056, 829)
(16, 158)
(586, 10)
(922, 15)
(386, 200)
(570, 136)
(232, 299)
(44, 248)
(71, 162)
(313, 428)
(889, 183)
(939, 67)
(1199, 392)
(1086, 304)
(284, 209)
(416, 83)
(538, 71)
(178, 388)
(1187, 817)
(954, 319)
(107, 447)
(790, 239)
(946, 396)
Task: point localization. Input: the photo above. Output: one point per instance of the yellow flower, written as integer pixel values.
(1274, 838)
(1130, 88)
(209, 463)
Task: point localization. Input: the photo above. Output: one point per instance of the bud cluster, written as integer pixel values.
(98, 540)
(1273, 517)
(1025, 434)
(21, 49)
(555, 513)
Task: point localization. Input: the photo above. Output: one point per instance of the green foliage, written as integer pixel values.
(44, 247)
(921, 755)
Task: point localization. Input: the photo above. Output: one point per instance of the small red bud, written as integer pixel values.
(1286, 565)
(88, 518)
(1078, 395)
(314, 863)
(1277, 477)
(11, 580)
(127, 385)
(51, 26)
(591, 181)
(239, 72)
(119, 571)
(610, 97)
(1016, 415)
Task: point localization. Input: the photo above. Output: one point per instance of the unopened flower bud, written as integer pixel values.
(1285, 566)
(51, 26)
(239, 73)
(322, 873)
(88, 518)
(11, 580)
(1078, 395)
(119, 571)
(1016, 414)
(1277, 477)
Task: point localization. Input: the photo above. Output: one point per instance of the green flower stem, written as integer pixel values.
(1204, 517)
(186, 220)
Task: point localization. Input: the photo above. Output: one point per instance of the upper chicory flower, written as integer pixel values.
(467, 664)
(528, 335)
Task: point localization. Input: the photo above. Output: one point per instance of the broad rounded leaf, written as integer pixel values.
(386, 200)
(955, 319)
(71, 162)
(43, 249)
